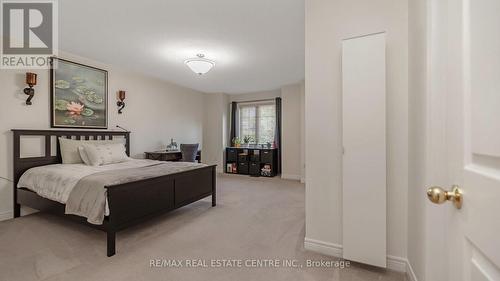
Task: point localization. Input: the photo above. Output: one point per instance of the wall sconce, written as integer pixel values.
(120, 103)
(31, 81)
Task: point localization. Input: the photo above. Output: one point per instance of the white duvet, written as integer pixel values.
(55, 182)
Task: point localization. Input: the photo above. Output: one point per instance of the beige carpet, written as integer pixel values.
(256, 218)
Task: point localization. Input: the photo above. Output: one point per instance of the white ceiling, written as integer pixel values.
(256, 44)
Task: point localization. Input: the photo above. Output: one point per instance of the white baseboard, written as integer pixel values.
(27, 211)
(6, 215)
(24, 212)
(290, 177)
(410, 274)
(325, 248)
(335, 250)
(396, 263)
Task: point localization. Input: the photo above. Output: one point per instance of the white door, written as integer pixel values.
(464, 129)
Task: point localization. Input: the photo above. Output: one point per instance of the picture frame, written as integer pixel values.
(78, 95)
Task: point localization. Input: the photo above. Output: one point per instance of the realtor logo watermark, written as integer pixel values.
(29, 34)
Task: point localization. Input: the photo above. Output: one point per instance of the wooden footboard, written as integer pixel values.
(135, 202)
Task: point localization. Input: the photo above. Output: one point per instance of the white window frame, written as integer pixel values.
(257, 112)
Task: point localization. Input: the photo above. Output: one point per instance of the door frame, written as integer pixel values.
(441, 30)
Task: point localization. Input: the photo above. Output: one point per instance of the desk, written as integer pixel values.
(168, 155)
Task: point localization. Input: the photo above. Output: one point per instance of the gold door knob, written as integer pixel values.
(438, 195)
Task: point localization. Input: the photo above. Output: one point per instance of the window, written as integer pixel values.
(257, 120)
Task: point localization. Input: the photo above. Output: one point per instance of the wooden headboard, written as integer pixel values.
(23, 164)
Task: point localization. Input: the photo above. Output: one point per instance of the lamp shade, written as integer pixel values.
(31, 78)
(121, 95)
(200, 65)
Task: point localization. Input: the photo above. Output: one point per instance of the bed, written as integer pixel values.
(127, 202)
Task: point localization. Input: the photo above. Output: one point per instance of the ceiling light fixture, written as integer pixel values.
(200, 65)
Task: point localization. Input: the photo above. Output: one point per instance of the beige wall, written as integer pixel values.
(417, 29)
(156, 111)
(302, 132)
(264, 95)
(327, 23)
(291, 132)
(215, 127)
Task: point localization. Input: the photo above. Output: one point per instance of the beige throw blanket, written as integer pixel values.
(88, 197)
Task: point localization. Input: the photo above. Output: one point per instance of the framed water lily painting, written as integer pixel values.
(79, 95)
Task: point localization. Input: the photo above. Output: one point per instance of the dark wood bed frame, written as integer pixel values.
(130, 203)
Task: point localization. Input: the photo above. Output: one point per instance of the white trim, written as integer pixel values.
(302, 180)
(410, 274)
(270, 101)
(335, 250)
(291, 177)
(27, 211)
(321, 247)
(24, 212)
(365, 35)
(6, 216)
(396, 263)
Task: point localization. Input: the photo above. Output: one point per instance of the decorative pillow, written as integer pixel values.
(103, 154)
(84, 156)
(69, 149)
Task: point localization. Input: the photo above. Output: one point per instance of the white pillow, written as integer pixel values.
(69, 149)
(103, 154)
(84, 156)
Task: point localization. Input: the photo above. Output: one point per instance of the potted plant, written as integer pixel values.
(247, 139)
(236, 142)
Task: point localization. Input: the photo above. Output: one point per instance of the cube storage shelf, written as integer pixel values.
(252, 161)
